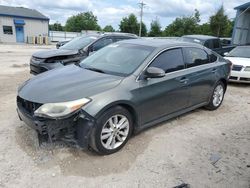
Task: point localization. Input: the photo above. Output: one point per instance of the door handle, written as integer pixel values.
(184, 80)
(214, 70)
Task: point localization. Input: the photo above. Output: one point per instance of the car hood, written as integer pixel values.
(239, 61)
(54, 53)
(66, 84)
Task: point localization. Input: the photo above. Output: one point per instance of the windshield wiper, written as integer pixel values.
(94, 69)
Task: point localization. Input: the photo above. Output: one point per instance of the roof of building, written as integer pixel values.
(244, 6)
(21, 12)
(200, 37)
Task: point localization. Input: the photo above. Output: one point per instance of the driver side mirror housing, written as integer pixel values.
(154, 72)
(226, 53)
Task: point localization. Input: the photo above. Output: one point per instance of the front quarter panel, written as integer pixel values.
(126, 93)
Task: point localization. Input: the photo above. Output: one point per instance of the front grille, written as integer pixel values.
(29, 107)
(37, 69)
(233, 78)
(245, 79)
(237, 67)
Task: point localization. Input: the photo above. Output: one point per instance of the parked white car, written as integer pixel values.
(240, 58)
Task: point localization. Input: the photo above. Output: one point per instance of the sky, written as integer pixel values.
(110, 12)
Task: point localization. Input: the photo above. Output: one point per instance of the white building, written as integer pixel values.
(18, 23)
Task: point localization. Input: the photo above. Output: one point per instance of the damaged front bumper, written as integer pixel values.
(76, 128)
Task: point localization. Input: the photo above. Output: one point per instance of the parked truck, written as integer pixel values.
(211, 42)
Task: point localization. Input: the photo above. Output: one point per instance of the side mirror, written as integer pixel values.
(154, 72)
(226, 53)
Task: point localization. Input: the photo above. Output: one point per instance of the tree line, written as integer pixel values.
(218, 25)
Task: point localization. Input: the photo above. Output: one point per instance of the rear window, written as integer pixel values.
(195, 57)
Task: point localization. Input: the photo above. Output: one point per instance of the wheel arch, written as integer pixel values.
(224, 81)
(124, 104)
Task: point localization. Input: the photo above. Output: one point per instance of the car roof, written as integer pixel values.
(99, 35)
(201, 37)
(160, 43)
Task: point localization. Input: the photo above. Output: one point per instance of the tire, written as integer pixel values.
(217, 96)
(112, 131)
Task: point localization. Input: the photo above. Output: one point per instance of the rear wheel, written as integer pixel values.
(112, 131)
(217, 97)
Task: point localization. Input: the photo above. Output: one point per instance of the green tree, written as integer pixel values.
(204, 29)
(219, 23)
(143, 30)
(184, 25)
(108, 28)
(82, 21)
(155, 30)
(56, 27)
(129, 24)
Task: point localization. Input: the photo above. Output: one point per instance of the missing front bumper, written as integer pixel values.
(75, 129)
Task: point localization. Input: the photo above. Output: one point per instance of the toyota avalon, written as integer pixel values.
(122, 89)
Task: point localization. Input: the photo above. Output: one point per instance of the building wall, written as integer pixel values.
(241, 34)
(32, 27)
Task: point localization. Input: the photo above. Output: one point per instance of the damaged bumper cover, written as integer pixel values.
(75, 128)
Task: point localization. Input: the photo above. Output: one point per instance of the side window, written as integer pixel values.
(209, 44)
(169, 61)
(195, 57)
(101, 43)
(212, 57)
(216, 43)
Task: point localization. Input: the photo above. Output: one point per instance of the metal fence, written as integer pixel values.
(56, 36)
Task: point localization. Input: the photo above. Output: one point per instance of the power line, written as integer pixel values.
(141, 5)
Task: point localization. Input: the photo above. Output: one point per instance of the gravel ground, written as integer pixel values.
(201, 148)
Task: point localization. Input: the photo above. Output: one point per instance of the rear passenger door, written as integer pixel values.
(164, 95)
(201, 75)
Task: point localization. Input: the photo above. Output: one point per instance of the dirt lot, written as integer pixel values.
(178, 151)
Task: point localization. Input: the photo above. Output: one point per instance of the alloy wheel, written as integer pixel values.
(114, 132)
(218, 95)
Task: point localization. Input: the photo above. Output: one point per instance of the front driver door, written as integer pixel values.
(166, 95)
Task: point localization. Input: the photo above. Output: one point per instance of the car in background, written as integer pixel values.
(240, 58)
(61, 43)
(73, 51)
(211, 42)
(121, 89)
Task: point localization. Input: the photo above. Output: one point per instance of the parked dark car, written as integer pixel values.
(122, 89)
(211, 42)
(61, 43)
(74, 51)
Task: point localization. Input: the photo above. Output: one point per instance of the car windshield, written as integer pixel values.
(117, 59)
(79, 43)
(240, 51)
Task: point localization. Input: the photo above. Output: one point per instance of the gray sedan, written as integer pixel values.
(122, 89)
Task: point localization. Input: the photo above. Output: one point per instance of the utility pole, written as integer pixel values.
(141, 5)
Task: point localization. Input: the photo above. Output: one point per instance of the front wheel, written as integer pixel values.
(217, 97)
(112, 131)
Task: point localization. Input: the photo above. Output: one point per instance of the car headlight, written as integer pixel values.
(55, 110)
(247, 69)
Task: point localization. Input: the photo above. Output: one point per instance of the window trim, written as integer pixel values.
(138, 78)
